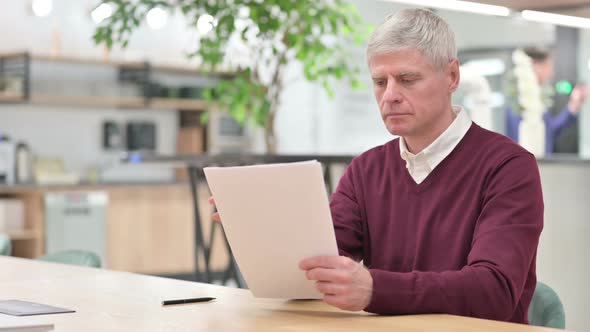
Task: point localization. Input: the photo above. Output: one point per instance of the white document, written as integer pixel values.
(26, 327)
(274, 216)
(21, 324)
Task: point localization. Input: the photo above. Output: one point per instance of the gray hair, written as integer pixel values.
(415, 28)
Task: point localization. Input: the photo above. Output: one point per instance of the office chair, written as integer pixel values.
(73, 257)
(5, 245)
(546, 308)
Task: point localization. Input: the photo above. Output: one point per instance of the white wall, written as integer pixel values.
(562, 259)
(584, 75)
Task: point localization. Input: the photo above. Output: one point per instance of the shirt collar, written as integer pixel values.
(438, 150)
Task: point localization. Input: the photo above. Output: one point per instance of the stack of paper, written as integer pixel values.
(21, 324)
(273, 217)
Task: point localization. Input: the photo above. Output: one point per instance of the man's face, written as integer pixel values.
(544, 70)
(413, 95)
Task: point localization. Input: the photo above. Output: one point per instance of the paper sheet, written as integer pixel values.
(274, 216)
(22, 324)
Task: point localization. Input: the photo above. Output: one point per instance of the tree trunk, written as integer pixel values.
(275, 97)
(269, 134)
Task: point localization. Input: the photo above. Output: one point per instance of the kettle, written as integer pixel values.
(23, 163)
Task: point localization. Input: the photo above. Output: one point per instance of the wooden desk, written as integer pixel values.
(120, 301)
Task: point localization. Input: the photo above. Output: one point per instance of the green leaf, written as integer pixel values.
(207, 94)
(204, 118)
(346, 30)
(296, 28)
(239, 113)
(356, 85)
(327, 88)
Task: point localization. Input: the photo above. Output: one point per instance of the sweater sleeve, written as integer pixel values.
(512, 123)
(503, 248)
(558, 122)
(347, 217)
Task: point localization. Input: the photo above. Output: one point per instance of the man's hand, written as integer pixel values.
(346, 284)
(577, 98)
(215, 215)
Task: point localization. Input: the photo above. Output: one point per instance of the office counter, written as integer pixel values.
(149, 225)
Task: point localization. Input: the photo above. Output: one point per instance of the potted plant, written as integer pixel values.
(273, 33)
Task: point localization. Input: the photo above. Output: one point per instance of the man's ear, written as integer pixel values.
(454, 75)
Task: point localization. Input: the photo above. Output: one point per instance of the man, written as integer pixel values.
(445, 219)
(543, 68)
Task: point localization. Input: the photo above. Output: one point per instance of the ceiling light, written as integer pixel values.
(497, 99)
(205, 24)
(42, 8)
(105, 10)
(487, 67)
(463, 6)
(156, 18)
(570, 21)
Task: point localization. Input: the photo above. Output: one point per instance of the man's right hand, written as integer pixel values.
(215, 214)
(578, 98)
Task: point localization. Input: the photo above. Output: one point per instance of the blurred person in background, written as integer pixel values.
(543, 66)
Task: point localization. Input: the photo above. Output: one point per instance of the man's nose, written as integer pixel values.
(392, 93)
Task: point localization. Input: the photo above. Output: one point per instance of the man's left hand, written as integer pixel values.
(346, 284)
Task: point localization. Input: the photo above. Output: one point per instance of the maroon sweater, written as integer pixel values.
(462, 242)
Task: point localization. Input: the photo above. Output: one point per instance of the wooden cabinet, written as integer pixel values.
(150, 228)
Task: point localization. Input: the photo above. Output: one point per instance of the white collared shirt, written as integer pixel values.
(421, 164)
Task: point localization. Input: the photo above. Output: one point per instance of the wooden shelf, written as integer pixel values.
(10, 98)
(178, 103)
(22, 235)
(88, 61)
(89, 101)
(125, 102)
(111, 102)
(165, 67)
(189, 70)
(13, 54)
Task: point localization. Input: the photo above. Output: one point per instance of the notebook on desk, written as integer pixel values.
(25, 308)
(27, 328)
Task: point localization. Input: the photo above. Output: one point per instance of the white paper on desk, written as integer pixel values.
(274, 216)
(22, 324)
